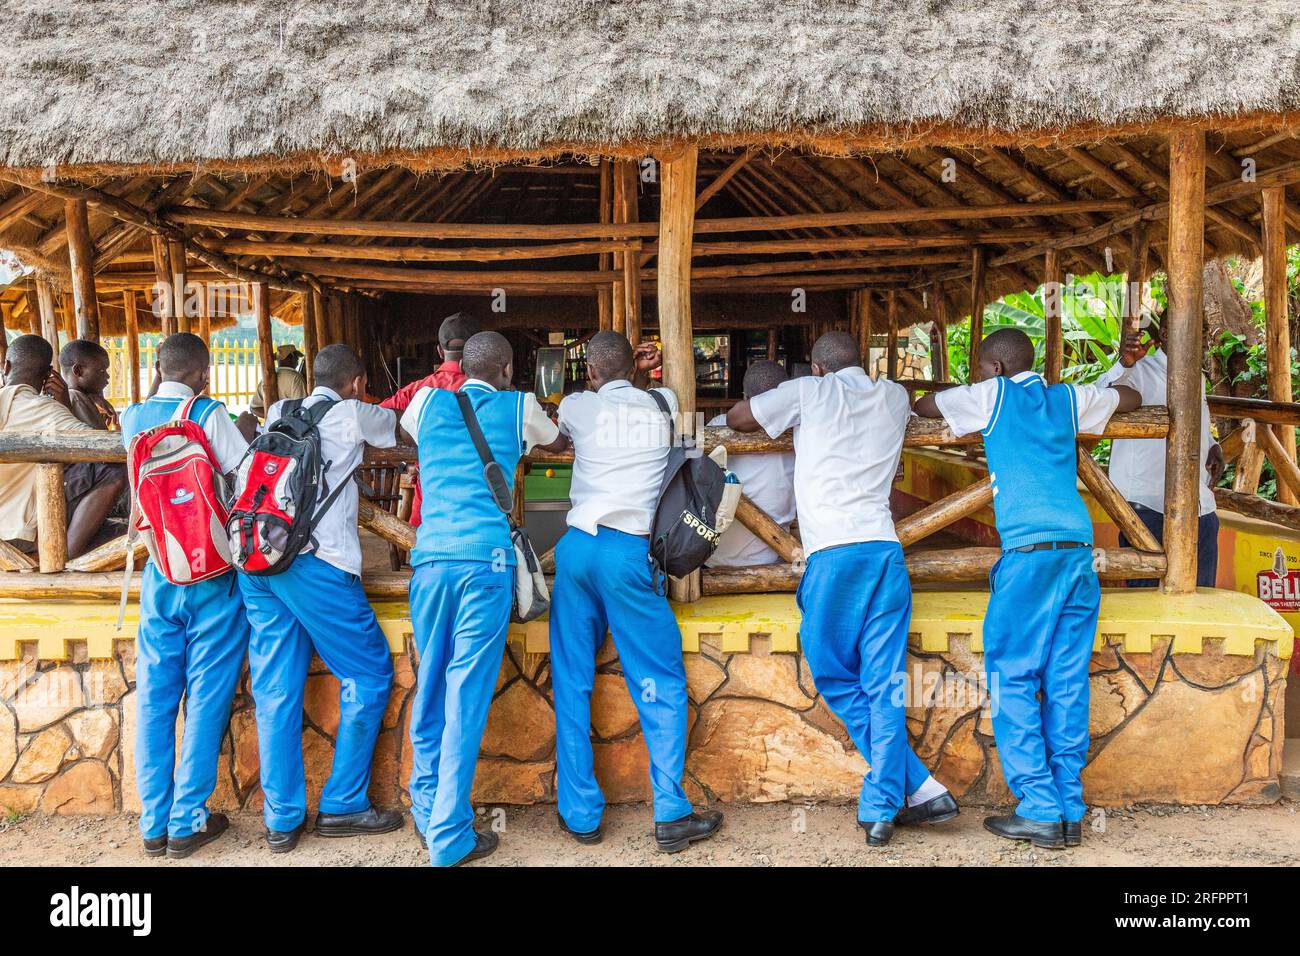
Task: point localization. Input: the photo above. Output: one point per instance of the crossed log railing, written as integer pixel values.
(91, 575)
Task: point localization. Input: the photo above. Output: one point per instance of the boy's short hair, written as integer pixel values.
(79, 352)
(337, 365)
(1012, 347)
(486, 354)
(183, 353)
(762, 376)
(609, 353)
(836, 350)
(29, 351)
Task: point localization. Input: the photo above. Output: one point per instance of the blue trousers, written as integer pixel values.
(856, 602)
(1038, 637)
(191, 641)
(460, 611)
(604, 584)
(314, 605)
(1207, 546)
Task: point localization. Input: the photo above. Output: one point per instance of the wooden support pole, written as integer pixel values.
(865, 319)
(265, 343)
(768, 531)
(205, 314)
(978, 299)
(69, 317)
(1139, 254)
(1288, 473)
(318, 307)
(176, 256)
(309, 346)
(387, 526)
(1054, 347)
(6, 320)
(626, 183)
(132, 332)
(51, 518)
(604, 294)
(676, 228)
(939, 337)
(49, 318)
(1113, 502)
(1182, 337)
(1250, 459)
(164, 296)
(81, 259)
(891, 347)
(940, 514)
(1253, 506)
(1276, 319)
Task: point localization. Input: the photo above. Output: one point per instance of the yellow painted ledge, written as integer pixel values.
(1128, 618)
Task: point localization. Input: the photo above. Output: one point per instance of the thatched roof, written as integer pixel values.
(195, 81)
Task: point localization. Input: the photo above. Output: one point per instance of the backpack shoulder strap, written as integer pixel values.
(668, 414)
(492, 471)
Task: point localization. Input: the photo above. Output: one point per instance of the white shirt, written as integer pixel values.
(345, 431)
(768, 481)
(536, 428)
(620, 452)
(1137, 465)
(227, 441)
(848, 436)
(970, 408)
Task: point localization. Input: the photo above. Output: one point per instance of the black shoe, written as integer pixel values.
(181, 847)
(935, 810)
(1073, 830)
(878, 831)
(485, 845)
(590, 838)
(282, 841)
(366, 823)
(1049, 836)
(155, 846)
(677, 835)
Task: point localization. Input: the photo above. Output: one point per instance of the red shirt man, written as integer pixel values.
(452, 333)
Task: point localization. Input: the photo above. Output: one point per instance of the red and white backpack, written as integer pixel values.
(178, 499)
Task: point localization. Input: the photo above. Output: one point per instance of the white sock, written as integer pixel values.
(926, 792)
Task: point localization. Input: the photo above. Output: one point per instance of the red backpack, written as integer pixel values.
(179, 496)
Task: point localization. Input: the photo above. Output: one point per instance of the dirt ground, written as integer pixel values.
(753, 835)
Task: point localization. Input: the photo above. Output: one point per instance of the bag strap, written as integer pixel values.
(493, 473)
(663, 407)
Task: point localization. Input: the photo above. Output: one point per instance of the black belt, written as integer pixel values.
(1049, 546)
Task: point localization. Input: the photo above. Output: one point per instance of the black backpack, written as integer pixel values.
(684, 532)
(278, 490)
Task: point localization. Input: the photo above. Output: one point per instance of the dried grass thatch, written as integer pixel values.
(256, 83)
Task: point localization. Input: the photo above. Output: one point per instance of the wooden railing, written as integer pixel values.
(87, 577)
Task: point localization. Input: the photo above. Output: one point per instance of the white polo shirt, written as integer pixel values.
(227, 441)
(1137, 465)
(769, 482)
(970, 408)
(620, 451)
(345, 431)
(848, 436)
(535, 429)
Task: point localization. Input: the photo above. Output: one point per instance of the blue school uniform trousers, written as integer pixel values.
(1043, 604)
(604, 583)
(314, 606)
(462, 590)
(856, 602)
(190, 642)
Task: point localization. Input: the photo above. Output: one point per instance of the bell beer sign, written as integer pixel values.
(1279, 587)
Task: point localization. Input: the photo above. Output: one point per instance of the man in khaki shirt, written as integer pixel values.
(289, 382)
(34, 399)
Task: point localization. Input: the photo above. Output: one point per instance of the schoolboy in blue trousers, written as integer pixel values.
(191, 639)
(855, 596)
(1044, 595)
(605, 583)
(462, 588)
(318, 604)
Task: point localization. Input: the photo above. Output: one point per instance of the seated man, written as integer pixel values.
(85, 369)
(34, 398)
(289, 382)
(768, 480)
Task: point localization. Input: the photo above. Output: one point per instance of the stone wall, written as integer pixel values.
(1172, 720)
